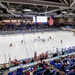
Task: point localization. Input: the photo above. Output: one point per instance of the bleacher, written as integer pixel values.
(45, 67)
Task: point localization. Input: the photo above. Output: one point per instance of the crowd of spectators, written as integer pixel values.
(42, 68)
(65, 65)
(23, 26)
(28, 26)
(11, 28)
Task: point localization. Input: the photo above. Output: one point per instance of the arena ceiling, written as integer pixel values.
(37, 7)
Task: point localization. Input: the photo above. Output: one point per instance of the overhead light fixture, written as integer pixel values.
(64, 12)
(12, 10)
(70, 14)
(27, 10)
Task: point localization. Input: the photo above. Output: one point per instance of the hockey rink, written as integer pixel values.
(33, 42)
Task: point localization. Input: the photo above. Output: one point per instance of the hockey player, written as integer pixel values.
(21, 41)
(11, 45)
(61, 41)
(50, 37)
(38, 36)
(73, 33)
(43, 40)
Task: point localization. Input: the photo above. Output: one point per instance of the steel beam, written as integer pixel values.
(3, 6)
(72, 3)
(65, 1)
(42, 3)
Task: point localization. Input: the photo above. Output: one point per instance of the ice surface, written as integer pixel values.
(29, 45)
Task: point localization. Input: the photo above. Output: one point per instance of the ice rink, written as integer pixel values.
(32, 43)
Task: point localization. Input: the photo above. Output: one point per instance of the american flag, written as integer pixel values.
(51, 20)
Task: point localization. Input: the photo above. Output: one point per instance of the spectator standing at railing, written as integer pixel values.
(35, 56)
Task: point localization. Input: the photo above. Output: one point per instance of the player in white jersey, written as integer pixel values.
(21, 41)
